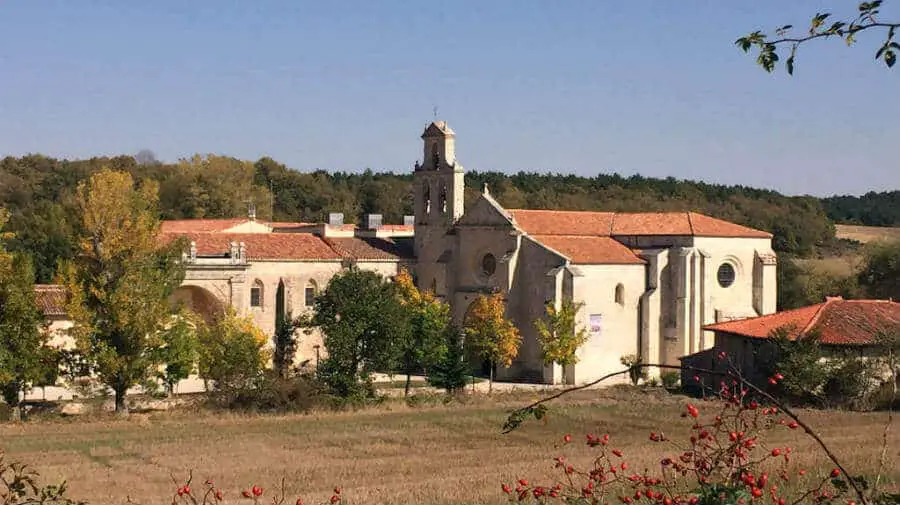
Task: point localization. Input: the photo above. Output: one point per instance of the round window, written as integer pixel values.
(725, 275)
(488, 264)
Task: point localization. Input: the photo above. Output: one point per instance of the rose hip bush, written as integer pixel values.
(210, 494)
(723, 459)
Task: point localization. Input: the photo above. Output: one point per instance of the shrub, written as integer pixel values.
(670, 379)
(722, 460)
(635, 372)
(19, 485)
(232, 353)
(273, 393)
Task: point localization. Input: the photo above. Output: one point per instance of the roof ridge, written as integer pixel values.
(612, 223)
(691, 222)
(815, 319)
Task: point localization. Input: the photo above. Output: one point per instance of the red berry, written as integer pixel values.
(335, 498)
(299, 501)
(793, 425)
(523, 482)
(567, 438)
(778, 376)
(772, 381)
(692, 410)
(756, 492)
(776, 452)
(219, 494)
(835, 473)
(246, 494)
(257, 491)
(506, 488)
(617, 452)
(802, 472)
(337, 490)
(696, 378)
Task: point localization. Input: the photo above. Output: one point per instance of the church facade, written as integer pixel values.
(649, 282)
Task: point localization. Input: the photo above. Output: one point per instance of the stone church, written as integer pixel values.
(649, 282)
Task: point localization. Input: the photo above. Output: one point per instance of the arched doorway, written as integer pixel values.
(198, 300)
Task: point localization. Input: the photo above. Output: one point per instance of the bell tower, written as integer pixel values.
(438, 185)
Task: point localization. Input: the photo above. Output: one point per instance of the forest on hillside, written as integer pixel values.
(37, 190)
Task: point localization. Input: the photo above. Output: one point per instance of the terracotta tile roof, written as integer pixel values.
(837, 321)
(261, 246)
(563, 222)
(50, 299)
(199, 225)
(371, 248)
(590, 249)
(604, 224)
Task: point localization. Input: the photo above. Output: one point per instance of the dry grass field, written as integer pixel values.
(390, 454)
(866, 234)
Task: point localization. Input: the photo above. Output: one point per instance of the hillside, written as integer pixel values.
(866, 234)
(871, 209)
(37, 190)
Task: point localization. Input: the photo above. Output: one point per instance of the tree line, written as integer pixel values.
(38, 191)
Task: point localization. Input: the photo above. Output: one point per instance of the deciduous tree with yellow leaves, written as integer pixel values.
(120, 280)
(489, 335)
(422, 343)
(560, 336)
(233, 352)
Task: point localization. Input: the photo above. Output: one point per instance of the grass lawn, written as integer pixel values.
(389, 454)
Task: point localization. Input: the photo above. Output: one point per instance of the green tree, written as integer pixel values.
(24, 357)
(802, 356)
(422, 344)
(822, 27)
(179, 351)
(560, 336)
(360, 319)
(285, 344)
(451, 371)
(120, 281)
(490, 335)
(233, 353)
(880, 272)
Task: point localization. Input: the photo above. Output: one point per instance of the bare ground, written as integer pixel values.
(389, 454)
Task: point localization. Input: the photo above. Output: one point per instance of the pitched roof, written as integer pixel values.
(371, 248)
(836, 321)
(438, 129)
(261, 246)
(50, 299)
(590, 249)
(199, 225)
(605, 224)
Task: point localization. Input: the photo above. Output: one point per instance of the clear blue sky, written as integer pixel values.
(650, 87)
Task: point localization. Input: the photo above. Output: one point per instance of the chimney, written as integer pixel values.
(336, 219)
(409, 220)
(372, 221)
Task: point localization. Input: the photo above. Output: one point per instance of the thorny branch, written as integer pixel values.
(538, 408)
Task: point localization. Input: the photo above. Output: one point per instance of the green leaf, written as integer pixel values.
(789, 63)
(890, 57)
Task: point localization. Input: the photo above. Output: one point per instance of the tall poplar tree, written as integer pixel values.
(120, 280)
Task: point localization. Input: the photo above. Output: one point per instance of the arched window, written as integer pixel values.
(309, 294)
(256, 294)
(488, 264)
(443, 200)
(620, 294)
(426, 198)
(435, 156)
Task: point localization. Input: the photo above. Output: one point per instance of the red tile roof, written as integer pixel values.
(371, 248)
(837, 321)
(590, 249)
(50, 299)
(604, 224)
(199, 225)
(261, 246)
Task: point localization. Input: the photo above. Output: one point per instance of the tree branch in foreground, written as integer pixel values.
(845, 30)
